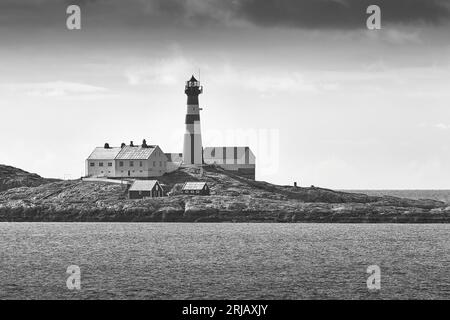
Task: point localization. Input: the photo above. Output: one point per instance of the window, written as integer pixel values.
(160, 163)
(109, 164)
(101, 164)
(121, 164)
(154, 163)
(92, 164)
(140, 163)
(131, 164)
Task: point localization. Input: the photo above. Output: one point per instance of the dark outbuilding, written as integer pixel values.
(145, 189)
(196, 188)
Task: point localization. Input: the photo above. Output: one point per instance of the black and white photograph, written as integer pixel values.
(224, 154)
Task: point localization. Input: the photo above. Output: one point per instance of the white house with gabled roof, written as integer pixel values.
(128, 161)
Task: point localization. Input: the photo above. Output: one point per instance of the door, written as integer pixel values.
(128, 172)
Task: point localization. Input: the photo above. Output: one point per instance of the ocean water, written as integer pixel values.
(224, 260)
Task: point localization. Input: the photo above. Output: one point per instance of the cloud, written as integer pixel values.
(396, 36)
(288, 82)
(169, 71)
(53, 89)
(343, 14)
(442, 126)
(374, 78)
(266, 83)
(306, 14)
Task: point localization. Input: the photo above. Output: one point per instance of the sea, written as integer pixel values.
(224, 261)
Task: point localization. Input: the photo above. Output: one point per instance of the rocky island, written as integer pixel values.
(29, 197)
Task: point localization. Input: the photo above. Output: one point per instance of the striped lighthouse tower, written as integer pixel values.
(192, 148)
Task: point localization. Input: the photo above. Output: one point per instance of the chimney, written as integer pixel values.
(295, 184)
(106, 145)
(131, 144)
(123, 145)
(144, 144)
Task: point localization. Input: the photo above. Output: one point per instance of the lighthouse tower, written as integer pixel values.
(192, 149)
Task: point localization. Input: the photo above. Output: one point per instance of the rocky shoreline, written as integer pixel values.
(233, 199)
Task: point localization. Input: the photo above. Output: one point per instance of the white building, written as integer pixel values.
(127, 161)
(238, 160)
(174, 161)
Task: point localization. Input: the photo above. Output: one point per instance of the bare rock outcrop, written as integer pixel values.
(11, 177)
(232, 199)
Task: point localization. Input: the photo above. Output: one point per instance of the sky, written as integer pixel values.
(318, 97)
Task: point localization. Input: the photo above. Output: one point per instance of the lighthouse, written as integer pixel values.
(192, 148)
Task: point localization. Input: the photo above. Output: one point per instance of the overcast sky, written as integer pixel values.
(319, 98)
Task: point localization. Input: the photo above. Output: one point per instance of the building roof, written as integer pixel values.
(100, 153)
(135, 153)
(193, 79)
(143, 185)
(194, 185)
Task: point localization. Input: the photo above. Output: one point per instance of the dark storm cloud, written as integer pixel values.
(305, 14)
(317, 14)
(339, 13)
